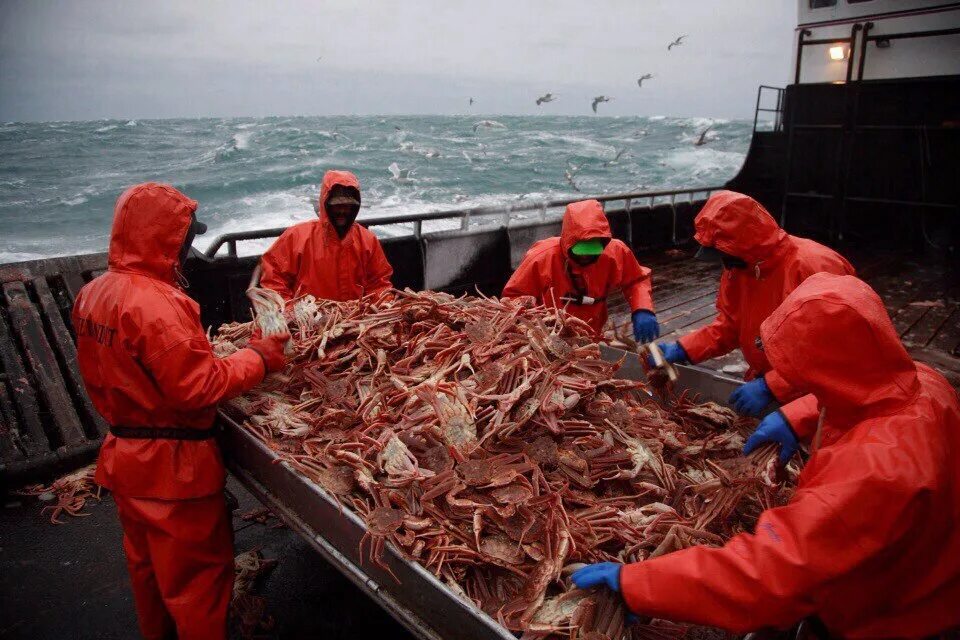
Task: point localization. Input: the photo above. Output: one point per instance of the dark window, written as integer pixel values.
(856, 1)
(819, 4)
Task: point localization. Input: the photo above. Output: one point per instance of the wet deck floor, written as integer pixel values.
(70, 580)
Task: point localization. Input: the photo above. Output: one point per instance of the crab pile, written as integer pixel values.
(68, 494)
(487, 440)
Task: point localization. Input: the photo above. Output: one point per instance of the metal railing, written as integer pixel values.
(465, 216)
(850, 42)
(777, 110)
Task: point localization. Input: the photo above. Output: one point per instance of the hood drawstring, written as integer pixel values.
(818, 435)
(181, 279)
(756, 269)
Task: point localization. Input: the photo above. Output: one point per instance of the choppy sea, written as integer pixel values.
(59, 180)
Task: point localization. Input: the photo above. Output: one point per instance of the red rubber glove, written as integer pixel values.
(271, 351)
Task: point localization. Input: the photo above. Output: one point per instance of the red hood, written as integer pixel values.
(832, 337)
(581, 221)
(150, 223)
(738, 225)
(332, 179)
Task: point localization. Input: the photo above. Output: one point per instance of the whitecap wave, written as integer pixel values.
(238, 142)
(699, 123)
(23, 256)
(702, 162)
(109, 127)
(241, 140)
(579, 144)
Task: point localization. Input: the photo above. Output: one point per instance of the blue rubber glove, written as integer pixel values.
(645, 326)
(774, 428)
(751, 398)
(605, 573)
(672, 352)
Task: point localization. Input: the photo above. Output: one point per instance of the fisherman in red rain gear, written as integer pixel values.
(330, 258)
(150, 371)
(868, 544)
(579, 269)
(762, 264)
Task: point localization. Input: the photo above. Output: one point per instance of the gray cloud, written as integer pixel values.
(93, 59)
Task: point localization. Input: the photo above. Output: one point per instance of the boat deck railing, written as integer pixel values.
(764, 105)
(502, 215)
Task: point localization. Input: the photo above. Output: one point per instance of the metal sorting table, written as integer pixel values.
(420, 602)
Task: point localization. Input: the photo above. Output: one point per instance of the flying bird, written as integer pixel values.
(616, 158)
(676, 43)
(570, 173)
(319, 58)
(645, 76)
(488, 124)
(547, 97)
(401, 176)
(471, 102)
(703, 138)
(598, 100)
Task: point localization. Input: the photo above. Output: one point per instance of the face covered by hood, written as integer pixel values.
(583, 220)
(338, 183)
(739, 226)
(832, 337)
(151, 222)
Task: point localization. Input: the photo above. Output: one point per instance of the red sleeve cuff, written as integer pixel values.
(696, 345)
(782, 390)
(635, 586)
(639, 295)
(802, 415)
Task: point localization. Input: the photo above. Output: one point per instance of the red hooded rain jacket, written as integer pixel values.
(869, 542)
(776, 264)
(311, 258)
(145, 359)
(546, 274)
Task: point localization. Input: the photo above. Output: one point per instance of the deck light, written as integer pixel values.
(838, 52)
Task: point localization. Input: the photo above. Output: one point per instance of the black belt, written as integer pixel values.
(163, 433)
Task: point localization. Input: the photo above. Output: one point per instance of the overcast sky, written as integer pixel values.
(78, 60)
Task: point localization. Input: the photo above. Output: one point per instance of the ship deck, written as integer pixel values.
(70, 580)
(922, 297)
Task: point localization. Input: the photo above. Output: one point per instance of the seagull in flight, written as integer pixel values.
(703, 138)
(489, 124)
(471, 101)
(547, 97)
(645, 76)
(570, 173)
(401, 176)
(676, 43)
(616, 159)
(598, 100)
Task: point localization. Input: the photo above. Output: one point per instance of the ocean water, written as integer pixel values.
(59, 180)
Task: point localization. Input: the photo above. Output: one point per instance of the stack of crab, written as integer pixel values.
(488, 441)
